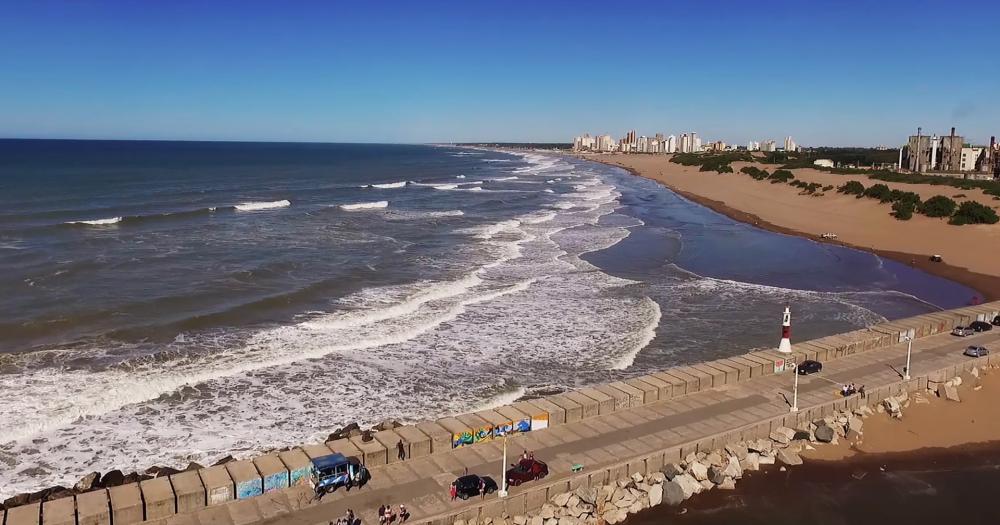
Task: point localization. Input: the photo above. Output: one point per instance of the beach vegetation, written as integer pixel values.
(880, 192)
(852, 188)
(780, 176)
(828, 187)
(755, 172)
(971, 212)
(725, 168)
(903, 210)
(905, 196)
(938, 206)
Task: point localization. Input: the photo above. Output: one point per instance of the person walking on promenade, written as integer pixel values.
(401, 450)
(381, 513)
(388, 514)
(861, 390)
(453, 492)
(403, 514)
(482, 488)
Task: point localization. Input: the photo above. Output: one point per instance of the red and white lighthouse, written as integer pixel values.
(785, 346)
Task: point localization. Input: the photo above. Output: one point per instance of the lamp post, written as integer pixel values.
(909, 348)
(795, 389)
(503, 470)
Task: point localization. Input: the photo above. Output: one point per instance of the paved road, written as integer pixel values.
(422, 483)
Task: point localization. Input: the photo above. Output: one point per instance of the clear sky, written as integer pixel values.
(827, 73)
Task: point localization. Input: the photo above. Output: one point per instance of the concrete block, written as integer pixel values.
(483, 430)
(390, 440)
(572, 409)
(730, 374)
(317, 450)
(461, 434)
(605, 403)
(637, 466)
(500, 424)
(742, 367)
(417, 443)
(587, 404)
(635, 395)
(243, 512)
(654, 462)
(158, 498)
(60, 511)
(766, 365)
(189, 493)
(754, 368)
(557, 416)
(273, 474)
(650, 394)
(30, 514)
(298, 465)
(617, 472)
(663, 388)
(520, 420)
(598, 477)
(514, 505)
(439, 437)
(246, 479)
(678, 385)
(126, 504)
(622, 399)
(373, 454)
(696, 380)
(218, 485)
(580, 480)
(93, 508)
(345, 447)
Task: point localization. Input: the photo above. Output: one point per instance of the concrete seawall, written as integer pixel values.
(217, 486)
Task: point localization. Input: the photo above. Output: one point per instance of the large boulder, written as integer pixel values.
(765, 459)
(733, 468)
(782, 435)
(561, 499)
(548, 511)
(689, 485)
(762, 446)
(739, 450)
(587, 495)
(637, 478)
(713, 458)
(614, 516)
(788, 457)
(88, 482)
(520, 520)
(672, 470)
(893, 407)
(855, 423)
(673, 492)
(716, 475)
(655, 495)
(538, 519)
(728, 484)
(698, 470)
(751, 462)
(656, 477)
(949, 392)
(824, 434)
(113, 478)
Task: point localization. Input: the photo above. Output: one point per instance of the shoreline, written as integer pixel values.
(988, 286)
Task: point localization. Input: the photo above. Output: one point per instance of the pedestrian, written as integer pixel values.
(381, 513)
(482, 488)
(453, 491)
(401, 450)
(388, 514)
(403, 514)
(524, 455)
(861, 390)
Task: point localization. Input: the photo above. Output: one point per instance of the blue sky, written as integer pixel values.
(828, 73)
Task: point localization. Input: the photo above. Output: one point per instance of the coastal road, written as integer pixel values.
(601, 441)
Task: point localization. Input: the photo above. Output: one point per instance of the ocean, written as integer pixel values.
(167, 302)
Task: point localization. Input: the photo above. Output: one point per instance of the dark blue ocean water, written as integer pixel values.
(169, 301)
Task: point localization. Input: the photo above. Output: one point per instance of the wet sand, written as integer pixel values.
(859, 223)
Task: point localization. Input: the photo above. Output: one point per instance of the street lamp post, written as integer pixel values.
(503, 473)
(795, 389)
(909, 348)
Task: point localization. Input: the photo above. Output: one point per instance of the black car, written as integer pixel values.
(809, 367)
(468, 486)
(996, 320)
(980, 326)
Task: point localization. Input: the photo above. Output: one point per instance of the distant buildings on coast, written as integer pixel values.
(658, 143)
(949, 155)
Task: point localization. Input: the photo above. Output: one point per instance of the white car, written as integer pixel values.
(963, 331)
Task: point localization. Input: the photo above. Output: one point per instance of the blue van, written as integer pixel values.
(336, 470)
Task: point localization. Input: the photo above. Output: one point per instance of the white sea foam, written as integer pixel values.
(257, 206)
(98, 222)
(364, 205)
(459, 176)
(445, 186)
(501, 179)
(387, 185)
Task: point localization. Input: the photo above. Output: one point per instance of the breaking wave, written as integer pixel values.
(257, 206)
(364, 205)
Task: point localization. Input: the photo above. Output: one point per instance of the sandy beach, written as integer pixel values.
(861, 223)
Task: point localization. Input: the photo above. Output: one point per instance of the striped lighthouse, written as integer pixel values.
(785, 346)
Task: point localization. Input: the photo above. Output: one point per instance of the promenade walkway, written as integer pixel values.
(607, 440)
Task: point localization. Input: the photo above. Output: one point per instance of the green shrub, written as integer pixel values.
(828, 187)
(852, 188)
(938, 206)
(880, 192)
(971, 212)
(905, 196)
(902, 210)
(780, 176)
(725, 168)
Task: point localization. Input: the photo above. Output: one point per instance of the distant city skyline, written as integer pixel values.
(827, 73)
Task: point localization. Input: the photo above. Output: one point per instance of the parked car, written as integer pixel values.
(936, 258)
(809, 367)
(962, 331)
(468, 486)
(526, 470)
(981, 326)
(336, 470)
(976, 351)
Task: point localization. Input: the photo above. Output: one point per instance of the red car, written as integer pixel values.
(526, 470)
